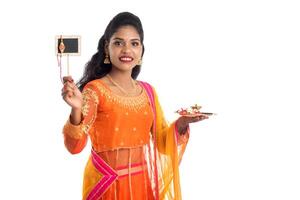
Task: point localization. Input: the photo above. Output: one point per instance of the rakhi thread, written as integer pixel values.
(61, 48)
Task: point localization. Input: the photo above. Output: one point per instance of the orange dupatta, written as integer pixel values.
(169, 147)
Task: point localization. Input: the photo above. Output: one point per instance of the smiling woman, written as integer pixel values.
(135, 152)
(125, 48)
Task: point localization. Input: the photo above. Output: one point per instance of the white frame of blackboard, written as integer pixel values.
(68, 37)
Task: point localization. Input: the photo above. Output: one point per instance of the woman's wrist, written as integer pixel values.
(181, 126)
(75, 117)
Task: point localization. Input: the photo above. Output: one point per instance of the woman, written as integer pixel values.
(135, 153)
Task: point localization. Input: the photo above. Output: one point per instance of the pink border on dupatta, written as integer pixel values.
(176, 133)
(109, 176)
(150, 93)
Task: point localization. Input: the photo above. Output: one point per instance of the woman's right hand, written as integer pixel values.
(71, 94)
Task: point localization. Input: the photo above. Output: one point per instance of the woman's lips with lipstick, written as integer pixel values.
(126, 59)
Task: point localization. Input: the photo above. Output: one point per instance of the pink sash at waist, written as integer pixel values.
(110, 175)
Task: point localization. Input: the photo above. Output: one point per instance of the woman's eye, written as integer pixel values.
(135, 44)
(117, 43)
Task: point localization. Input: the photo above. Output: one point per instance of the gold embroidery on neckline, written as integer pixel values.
(135, 103)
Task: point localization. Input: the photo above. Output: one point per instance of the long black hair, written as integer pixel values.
(96, 68)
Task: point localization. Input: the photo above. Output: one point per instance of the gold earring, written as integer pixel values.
(140, 62)
(106, 60)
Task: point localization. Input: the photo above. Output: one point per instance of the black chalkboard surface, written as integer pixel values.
(71, 43)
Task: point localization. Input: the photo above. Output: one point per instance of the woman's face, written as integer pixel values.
(125, 48)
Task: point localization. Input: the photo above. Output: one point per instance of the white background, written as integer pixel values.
(236, 58)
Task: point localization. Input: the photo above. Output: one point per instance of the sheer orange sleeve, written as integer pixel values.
(75, 136)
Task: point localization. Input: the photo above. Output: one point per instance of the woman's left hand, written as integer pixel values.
(184, 121)
(198, 118)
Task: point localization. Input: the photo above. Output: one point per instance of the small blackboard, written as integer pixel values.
(71, 45)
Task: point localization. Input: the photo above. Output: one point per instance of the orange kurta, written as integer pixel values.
(120, 131)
